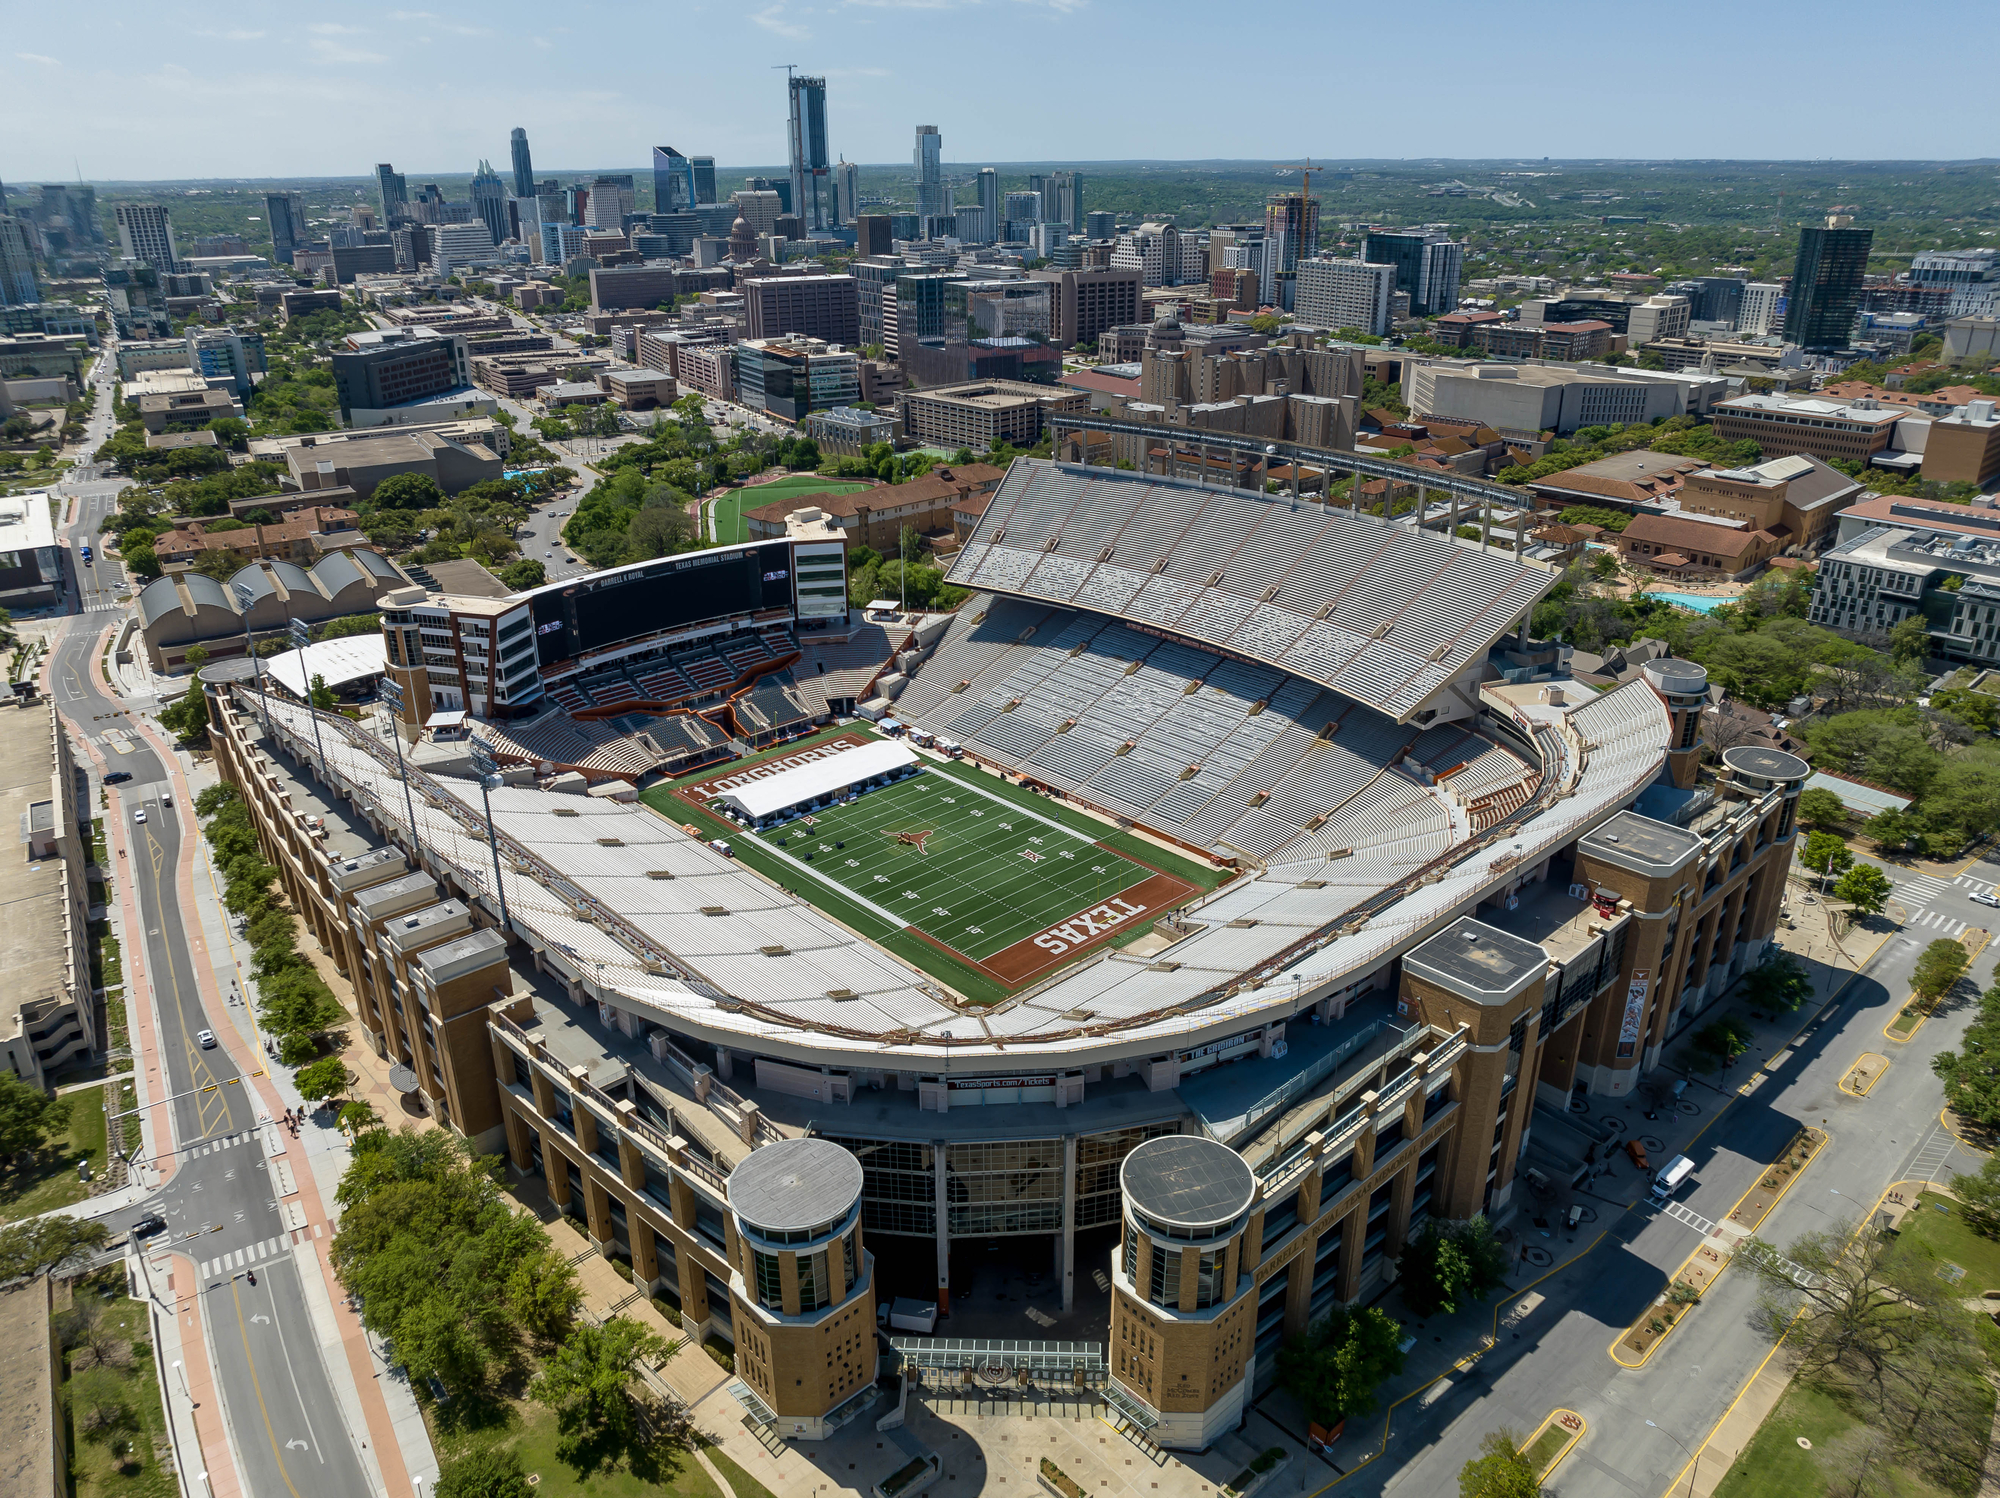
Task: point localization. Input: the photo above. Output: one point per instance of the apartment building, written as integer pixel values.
(793, 376)
(1333, 293)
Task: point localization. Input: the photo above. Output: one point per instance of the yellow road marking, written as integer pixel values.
(243, 1329)
(1573, 1423)
(1864, 1074)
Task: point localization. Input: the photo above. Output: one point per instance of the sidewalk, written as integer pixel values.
(384, 1427)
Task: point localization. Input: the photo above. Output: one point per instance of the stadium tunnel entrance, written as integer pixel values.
(1008, 1286)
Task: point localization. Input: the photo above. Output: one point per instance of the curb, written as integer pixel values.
(1874, 1077)
(1575, 1424)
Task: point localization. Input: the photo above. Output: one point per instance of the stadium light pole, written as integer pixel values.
(244, 599)
(489, 776)
(301, 637)
(391, 693)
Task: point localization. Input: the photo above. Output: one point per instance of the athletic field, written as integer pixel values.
(954, 863)
(727, 508)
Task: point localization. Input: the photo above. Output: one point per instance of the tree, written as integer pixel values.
(1942, 965)
(1826, 855)
(1335, 1368)
(524, 574)
(1892, 829)
(1865, 887)
(1979, 1198)
(588, 1382)
(322, 694)
(407, 491)
(1972, 1073)
(483, 1472)
(1781, 980)
(1502, 1470)
(324, 1079)
(1821, 808)
(1445, 1265)
(26, 1114)
(140, 561)
(1910, 640)
(44, 1244)
(100, 1408)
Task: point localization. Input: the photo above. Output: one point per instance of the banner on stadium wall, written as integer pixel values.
(1635, 1011)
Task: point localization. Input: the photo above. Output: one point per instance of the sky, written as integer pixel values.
(173, 91)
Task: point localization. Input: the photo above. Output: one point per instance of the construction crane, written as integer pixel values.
(1306, 175)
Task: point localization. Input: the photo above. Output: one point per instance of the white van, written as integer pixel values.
(1671, 1179)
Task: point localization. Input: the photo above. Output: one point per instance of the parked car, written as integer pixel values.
(118, 777)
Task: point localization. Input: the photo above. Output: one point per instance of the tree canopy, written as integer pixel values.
(1335, 1368)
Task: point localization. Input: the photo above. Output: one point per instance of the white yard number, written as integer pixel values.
(826, 847)
(939, 910)
(910, 894)
(975, 813)
(1097, 868)
(1005, 826)
(949, 800)
(1036, 841)
(881, 878)
(1065, 854)
(854, 863)
(975, 930)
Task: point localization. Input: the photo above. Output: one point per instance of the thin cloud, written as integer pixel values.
(47, 62)
(331, 28)
(335, 52)
(772, 19)
(233, 36)
(439, 22)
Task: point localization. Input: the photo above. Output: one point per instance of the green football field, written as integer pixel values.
(727, 508)
(1008, 889)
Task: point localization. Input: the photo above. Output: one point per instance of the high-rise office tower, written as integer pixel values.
(17, 264)
(928, 158)
(673, 181)
(704, 178)
(69, 211)
(524, 168)
(872, 234)
(782, 186)
(611, 198)
(989, 198)
(286, 212)
(394, 192)
(1100, 225)
(846, 191)
(489, 202)
(1428, 263)
(810, 163)
(146, 233)
(1826, 287)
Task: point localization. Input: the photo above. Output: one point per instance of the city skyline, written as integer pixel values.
(412, 85)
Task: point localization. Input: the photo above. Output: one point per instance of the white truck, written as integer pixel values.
(1671, 1178)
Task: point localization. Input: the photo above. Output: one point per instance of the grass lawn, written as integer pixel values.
(1774, 1465)
(96, 1471)
(535, 1440)
(1946, 1234)
(1546, 1446)
(740, 1482)
(50, 1180)
(972, 893)
(728, 507)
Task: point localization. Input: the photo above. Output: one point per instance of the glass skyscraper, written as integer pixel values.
(928, 159)
(673, 181)
(810, 162)
(524, 168)
(1826, 287)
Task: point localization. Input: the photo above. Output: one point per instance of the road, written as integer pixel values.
(1556, 1355)
(220, 1206)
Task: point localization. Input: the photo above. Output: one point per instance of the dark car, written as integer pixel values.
(118, 777)
(148, 1225)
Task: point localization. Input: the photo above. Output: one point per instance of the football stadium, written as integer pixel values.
(1264, 849)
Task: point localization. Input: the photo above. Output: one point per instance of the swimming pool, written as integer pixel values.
(1694, 601)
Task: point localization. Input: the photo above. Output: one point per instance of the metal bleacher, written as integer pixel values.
(1377, 611)
(1204, 748)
